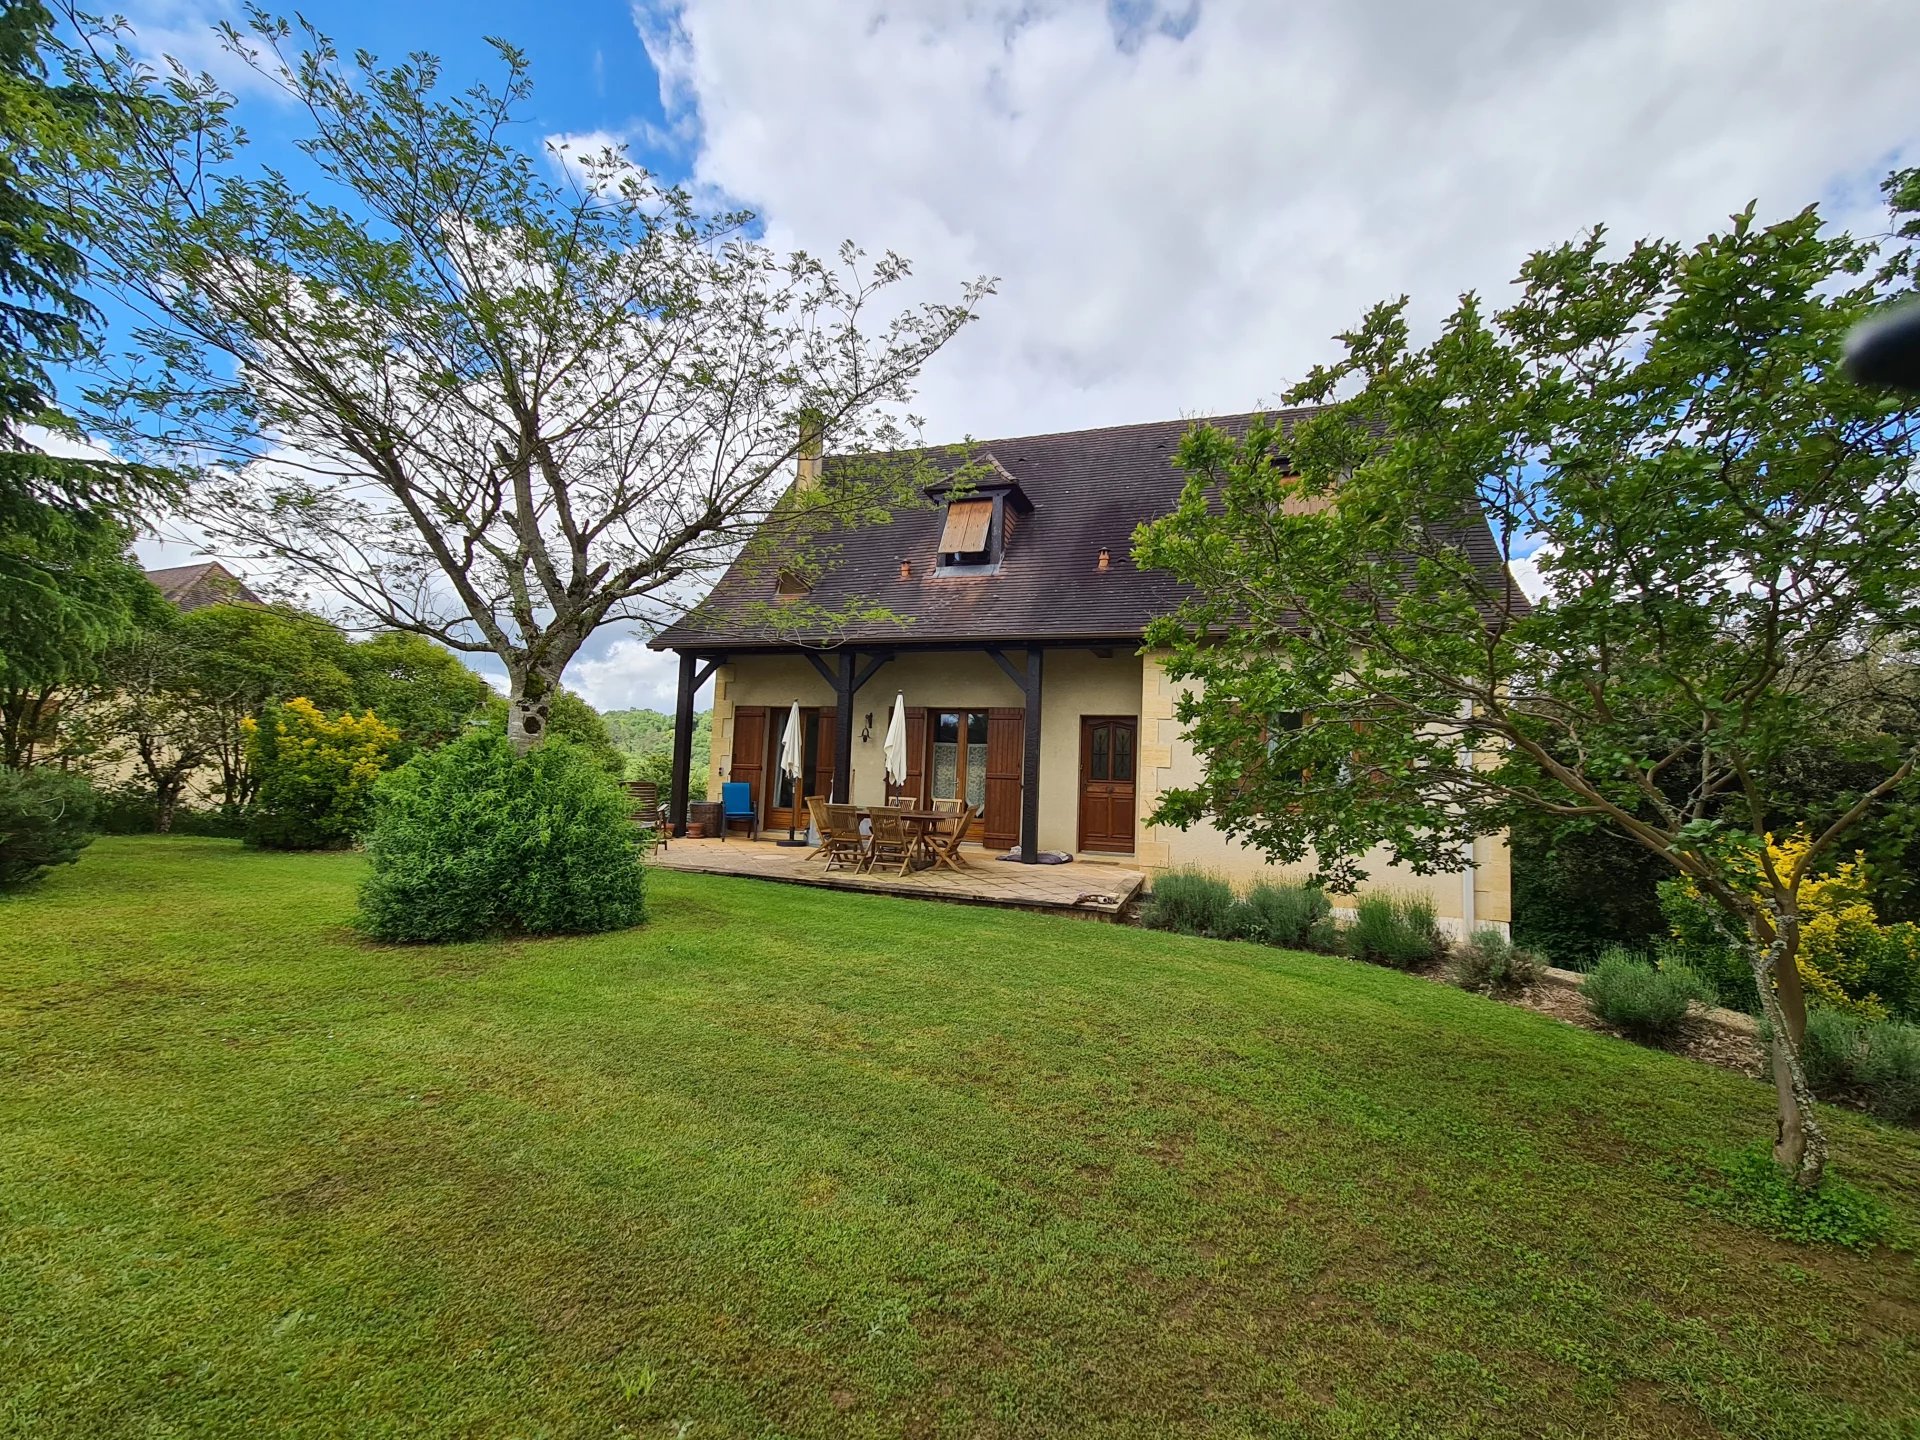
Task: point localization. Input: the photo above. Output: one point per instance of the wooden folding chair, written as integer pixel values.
(946, 844)
(890, 840)
(647, 811)
(840, 836)
(941, 805)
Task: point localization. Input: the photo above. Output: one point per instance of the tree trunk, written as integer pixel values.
(529, 701)
(1799, 1146)
(13, 732)
(22, 718)
(1793, 995)
(167, 802)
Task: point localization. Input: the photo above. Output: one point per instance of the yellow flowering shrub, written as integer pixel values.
(1848, 960)
(316, 774)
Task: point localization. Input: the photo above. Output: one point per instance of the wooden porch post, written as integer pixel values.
(682, 745)
(843, 686)
(1030, 765)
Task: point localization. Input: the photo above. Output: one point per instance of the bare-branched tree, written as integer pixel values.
(495, 399)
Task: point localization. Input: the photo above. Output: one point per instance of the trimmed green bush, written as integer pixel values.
(46, 819)
(1874, 1062)
(1488, 962)
(474, 839)
(1192, 903)
(1398, 931)
(1626, 991)
(1300, 916)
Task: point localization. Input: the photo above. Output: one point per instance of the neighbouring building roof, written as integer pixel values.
(192, 587)
(1089, 490)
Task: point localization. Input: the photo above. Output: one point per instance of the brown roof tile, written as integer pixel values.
(192, 587)
(1090, 489)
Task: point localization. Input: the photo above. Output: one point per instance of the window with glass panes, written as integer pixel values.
(960, 755)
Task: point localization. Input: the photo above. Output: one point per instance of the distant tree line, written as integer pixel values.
(645, 739)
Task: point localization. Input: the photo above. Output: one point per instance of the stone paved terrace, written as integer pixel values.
(1087, 888)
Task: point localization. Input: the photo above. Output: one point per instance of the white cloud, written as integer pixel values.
(185, 30)
(168, 541)
(1185, 202)
(625, 675)
(1525, 570)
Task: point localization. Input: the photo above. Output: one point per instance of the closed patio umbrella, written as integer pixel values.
(792, 764)
(896, 748)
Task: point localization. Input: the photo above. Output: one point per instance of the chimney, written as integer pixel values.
(807, 465)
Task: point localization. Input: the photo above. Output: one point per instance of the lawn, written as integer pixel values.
(794, 1163)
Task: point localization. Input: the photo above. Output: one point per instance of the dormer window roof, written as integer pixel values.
(981, 514)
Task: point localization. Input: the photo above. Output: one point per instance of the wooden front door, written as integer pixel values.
(1106, 782)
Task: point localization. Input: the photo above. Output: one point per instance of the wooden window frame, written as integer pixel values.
(962, 712)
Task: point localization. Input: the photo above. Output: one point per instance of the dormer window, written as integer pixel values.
(979, 521)
(790, 585)
(967, 537)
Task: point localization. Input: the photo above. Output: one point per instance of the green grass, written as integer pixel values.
(804, 1163)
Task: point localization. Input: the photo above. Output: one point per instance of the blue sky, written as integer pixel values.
(1182, 199)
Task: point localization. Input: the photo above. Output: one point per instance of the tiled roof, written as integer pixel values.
(191, 587)
(1090, 489)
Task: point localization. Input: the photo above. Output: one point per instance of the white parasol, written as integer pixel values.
(896, 748)
(792, 765)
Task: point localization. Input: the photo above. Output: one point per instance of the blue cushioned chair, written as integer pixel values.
(736, 803)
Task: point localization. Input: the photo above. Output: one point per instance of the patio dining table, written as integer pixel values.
(922, 823)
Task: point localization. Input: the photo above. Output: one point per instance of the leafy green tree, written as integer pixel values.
(639, 731)
(1580, 884)
(1722, 517)
(245, 657)
(46, 819)
(1579, 888)
(511, 402)
(144, 718)
(67, 587)
(419, 687)
(225, 665)
(81, 594)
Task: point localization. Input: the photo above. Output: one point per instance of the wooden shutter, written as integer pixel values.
(823, 759)
(1006, 754)
(915, 788)
(750, 750)
(966, 528)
